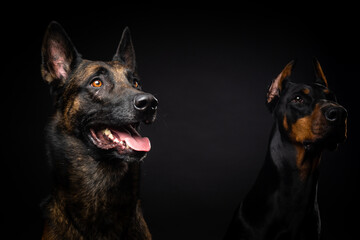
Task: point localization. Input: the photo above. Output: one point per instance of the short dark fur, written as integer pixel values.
(96, 191)
(282, 204)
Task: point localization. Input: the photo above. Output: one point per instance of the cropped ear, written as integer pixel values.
(59, 55)
(320, 76)
(278, 84)
(125, 52)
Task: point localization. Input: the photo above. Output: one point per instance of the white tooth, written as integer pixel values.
(123, 143)
(108, 133)
(116, 140)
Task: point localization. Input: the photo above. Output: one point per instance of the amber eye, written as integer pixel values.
(136, 84)
(96, 83)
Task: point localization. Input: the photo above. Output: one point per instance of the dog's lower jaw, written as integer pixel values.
(115, 159)
(121, 143)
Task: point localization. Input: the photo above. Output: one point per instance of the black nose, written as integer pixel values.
(335, 114)
(145, 102)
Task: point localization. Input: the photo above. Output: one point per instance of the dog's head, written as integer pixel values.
(307, 114)
(99, 102)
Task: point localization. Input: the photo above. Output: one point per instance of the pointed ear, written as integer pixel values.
(59, 55)
(320, 76)
(125, 52)
(278, 84)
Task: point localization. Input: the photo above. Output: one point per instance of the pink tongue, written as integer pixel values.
(136, 143)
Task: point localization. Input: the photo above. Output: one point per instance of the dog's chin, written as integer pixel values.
(334, 140)
(131, 157)
(330, 143)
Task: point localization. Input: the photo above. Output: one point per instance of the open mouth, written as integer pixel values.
(123, 139)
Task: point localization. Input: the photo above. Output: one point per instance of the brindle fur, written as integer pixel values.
(96, 192)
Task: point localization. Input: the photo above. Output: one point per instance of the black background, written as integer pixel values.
(210, 68)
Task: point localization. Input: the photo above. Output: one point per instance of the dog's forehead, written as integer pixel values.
(323, 92)
(119, 69)
(294, 88)
(116, 70)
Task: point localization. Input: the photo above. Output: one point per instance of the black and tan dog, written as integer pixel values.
(282, 204)
(93, 142)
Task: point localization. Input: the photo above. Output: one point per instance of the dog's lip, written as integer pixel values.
(124, 139)
(329, 141)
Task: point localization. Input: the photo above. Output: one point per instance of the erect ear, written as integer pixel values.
(320, 76)
(125, 52)
(59, 55)
(278, 83)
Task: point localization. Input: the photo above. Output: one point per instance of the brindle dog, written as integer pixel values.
(93, 142)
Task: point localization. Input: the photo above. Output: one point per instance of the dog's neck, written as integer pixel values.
(280, 185)
(93, 192)
(295, 163)
(294, 172)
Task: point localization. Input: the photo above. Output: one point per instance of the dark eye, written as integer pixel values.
(297, 99)
(96, 83)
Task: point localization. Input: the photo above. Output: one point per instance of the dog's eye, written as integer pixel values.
(96, 83)
(136, 83)
(298, 99)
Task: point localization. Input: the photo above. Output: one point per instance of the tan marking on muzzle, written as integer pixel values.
(308, 128)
